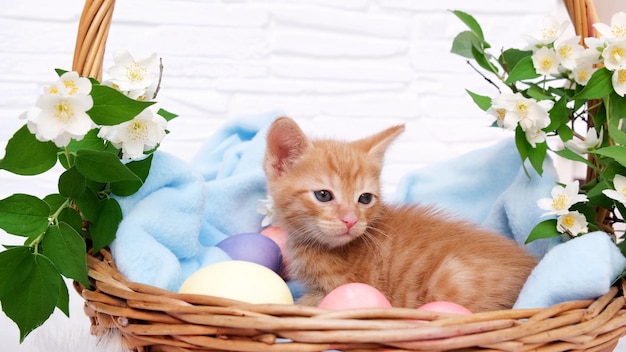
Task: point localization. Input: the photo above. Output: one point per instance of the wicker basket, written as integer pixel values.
(153, 319)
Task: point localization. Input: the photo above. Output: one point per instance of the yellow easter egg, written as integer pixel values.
(240, 280)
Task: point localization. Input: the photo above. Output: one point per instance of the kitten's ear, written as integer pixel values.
(376, 145)
(285, 144)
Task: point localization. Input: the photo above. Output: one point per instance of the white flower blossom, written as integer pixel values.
(535, 136)
(499, 107)
(511, 109)
(615, 55)
(266, 207)
(572, 223)
(562, 199)
(68, 84)
(617, 29)
(130, 75)
(618, 192)
(592, 141)
(546, 61)
(585, 67)
(532, 115)
(618, 79)
(549, 32)
(142, 133)
(60, 114)
(595, 44)
(568, 51)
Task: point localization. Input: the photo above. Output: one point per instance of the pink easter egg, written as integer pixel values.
(279, 236)
(445, 307)
(354, 295)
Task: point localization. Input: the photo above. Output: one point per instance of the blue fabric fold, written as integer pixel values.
(172, 224)
(183, 209)
(582, 268)
(488, 186)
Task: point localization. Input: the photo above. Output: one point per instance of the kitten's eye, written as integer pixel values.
(323, 195)
(366, 198)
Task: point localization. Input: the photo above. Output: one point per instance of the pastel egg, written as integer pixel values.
(445, 307)
(255, 248)
(239, 280)
(354, 295)
(279, 236)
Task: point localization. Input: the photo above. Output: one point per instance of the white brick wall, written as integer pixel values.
(366, 63)
(343, 68)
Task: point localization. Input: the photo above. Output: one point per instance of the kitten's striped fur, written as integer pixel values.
(327, 197)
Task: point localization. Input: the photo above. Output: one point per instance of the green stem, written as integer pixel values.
(54, 220)
(67, 153)
(55, 216)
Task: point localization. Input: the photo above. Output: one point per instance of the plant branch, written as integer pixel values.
(158, 87)
(485, 77)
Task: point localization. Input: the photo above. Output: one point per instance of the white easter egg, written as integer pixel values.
(239, 280)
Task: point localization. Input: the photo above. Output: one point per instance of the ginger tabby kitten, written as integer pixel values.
(327, 197)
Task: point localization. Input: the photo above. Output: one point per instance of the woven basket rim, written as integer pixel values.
(153, 319)
(149, 316)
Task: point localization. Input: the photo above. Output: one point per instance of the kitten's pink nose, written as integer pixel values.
(349, 220)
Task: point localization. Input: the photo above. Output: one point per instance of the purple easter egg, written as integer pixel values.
(253, 247)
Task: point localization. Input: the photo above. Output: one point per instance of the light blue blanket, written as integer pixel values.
(172, 224)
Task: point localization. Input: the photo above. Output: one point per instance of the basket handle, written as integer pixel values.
(583, 15)
(93, 30)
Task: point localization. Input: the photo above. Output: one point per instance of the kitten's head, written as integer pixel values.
(325, 192)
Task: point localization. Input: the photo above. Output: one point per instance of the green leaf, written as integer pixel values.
(618, 153)
(559, 115)
(71, 183)
(66, 249)
(597, 198)
(141, 168)
(523, 147)
(24, 215)
(63, 303)
(103, 230)
(565, 132)
(111, 107)
(483, 102)
(570, 155)
(71, 217)
(29, 288)
(89, 204)
(102, 166)
(511, 57)
(544, 229)
(168, 116)
(537, 156)
(599, 85)
(55, 201)
(617, 106)
(600, 116)
(464, 42)
(90, 141)
(25, 155)
(538, 93)
(12, 262)
(483, 61)
(622, 246)
(618, 135)
(523, 70)
(617, 113)
(470, 22)
(59, 71)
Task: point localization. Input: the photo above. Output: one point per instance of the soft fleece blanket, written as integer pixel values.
(172, 224)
